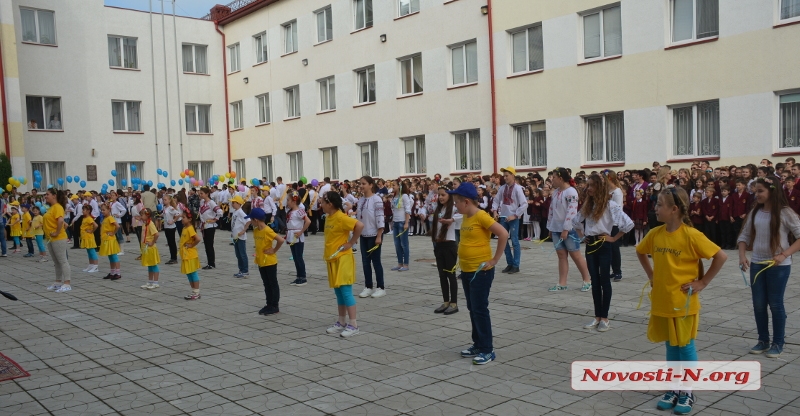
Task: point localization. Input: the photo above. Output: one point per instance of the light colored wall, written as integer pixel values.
(16, 153)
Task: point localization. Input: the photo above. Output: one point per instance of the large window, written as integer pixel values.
(203, 170)
(411, 75)
(260, 44)
(407, 7)
(44, 113)
(122, 52)
(414, 148)
(464, 60)
(295, 166)
(789, 120)
(531, 145)
(125, 115)
(267, 168)
(369, 158)
(694, 19)
(290, 37)
(292, 95)
(236, 114)
(198, 118)
(468, 150)
(262, 101)
(233, 58)
(790, 9)
(602, 33)
(50, 171)
(124, 172)
(324, 25)
(239, 168)
(366, 85)
(194, 59)
(695, 129)
(327, 94)
(362, 10)
(605, 138)
(527, 49)
(38, 26)
(330, 163)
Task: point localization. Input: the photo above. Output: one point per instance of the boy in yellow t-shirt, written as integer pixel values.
(190, 261)
(15, 223)
(37, 225)
(677, 277)
(266, 260)
(27, 231)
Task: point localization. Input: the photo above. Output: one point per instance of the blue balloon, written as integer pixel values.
(103, 191)
(39, 204)
(69, 179)
(166, 174)
(76, 179)
(133, 168)
(37, 185)
(36, 173)
(180, 181)
(150, 183)
(160, 172)
(159, 207)
(124, 182)
(83, 184)
(114, 173)
(50, 185)
(60, 181)
(135, 187)
(111, 182)
(172, 182)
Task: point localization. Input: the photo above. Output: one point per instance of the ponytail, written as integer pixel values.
(335, 199)
(61, 196)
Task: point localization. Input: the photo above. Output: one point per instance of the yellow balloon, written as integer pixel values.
(24, 181)
(191, 173)
(8, 187)
(183, 175)
(227, 174)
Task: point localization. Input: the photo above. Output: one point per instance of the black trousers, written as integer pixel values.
(710, 230)
(726, 234)
(208, 243)
(598, 260)
(173, 246)
(446, 253)
(269, 275)
(736, 229)
(76, 232)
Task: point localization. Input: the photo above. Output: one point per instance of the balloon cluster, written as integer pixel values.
(15, 182)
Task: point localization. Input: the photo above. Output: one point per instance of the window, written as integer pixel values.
(290, 37)
(527, 49)
(266, 168)
(260, 43)
(38, 26)
(125, 115)
(789, 120)
(122, 52)
(292, 101)
(263, 109)
(465, 63)
(408, 6)
(198, 118)
(468, 150)
(790, 9)
(602, 33)
(50, 171)
(203, 170)
(295, 165)
(238, 166)
(324, 25)
(366, 85)
(605, 138)
(694, 19)
(363, 13)
(236, 113)
(415, 154)
(369, 159)
(695, 129)
(194, 59)
(411, 73)
(44, 113)
(327, 94)
(233, 58)
(330, 163)
(124, 172)
(531, 145)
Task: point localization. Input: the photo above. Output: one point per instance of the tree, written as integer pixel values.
(5, 170)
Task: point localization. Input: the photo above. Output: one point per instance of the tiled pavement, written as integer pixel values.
(113, 348)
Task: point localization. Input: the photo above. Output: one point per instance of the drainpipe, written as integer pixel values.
(166, 88)
(225, 76)
(494, 98)
(153, 73)
(178, 65)
(6, 139)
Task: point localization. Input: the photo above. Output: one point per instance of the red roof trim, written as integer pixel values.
(244, 11)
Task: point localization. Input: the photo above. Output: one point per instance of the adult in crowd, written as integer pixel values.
(508, 208)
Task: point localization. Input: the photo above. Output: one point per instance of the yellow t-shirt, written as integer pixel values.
(108, 227)
(675, 263)
(264, 238)
(474, 247)
(51, 222)
(337, 233)
(150, 232)
(187, 236)
(16, 227)
(36, 225)
(27, 230)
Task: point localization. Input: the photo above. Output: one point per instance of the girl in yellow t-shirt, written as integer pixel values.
(37, 225)
(15, 223)
(266, 260)
(190, 261)
(88, 225)
(27, 231)
(150, 256)
(340, 261)
(109, 246)
(677, 278)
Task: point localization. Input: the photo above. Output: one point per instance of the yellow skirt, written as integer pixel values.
(109, 247)
(342, 271)
(190, 265)
(679, 331)
(150, 256)
(88, 242)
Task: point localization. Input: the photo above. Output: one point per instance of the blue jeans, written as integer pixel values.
(476, 291)
(400, 243)
(370, 260)
(3, 246)
(297, 254)
(768, 290)
(240, 246)
(513, 235)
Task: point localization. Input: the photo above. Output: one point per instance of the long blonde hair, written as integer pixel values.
(595, 205)
(677, 196)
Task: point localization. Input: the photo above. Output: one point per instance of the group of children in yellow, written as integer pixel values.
(27, 224)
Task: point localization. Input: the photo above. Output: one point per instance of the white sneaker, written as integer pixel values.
(121, 253)
(87, 268)
(43, 260)
(349, 331)
(146, 286)
(153, 286)
(365, 293)
(64, 288)
(93, 269)
(378, 293)
(54, 286)
(336, 328)
(592, 324)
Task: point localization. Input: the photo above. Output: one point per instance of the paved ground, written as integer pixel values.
(111, 347)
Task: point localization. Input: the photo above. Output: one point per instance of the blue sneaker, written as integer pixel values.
(774, 351)
(483, 358)
(470, 352)
(669, 400)
(685, 403)
(760, 347)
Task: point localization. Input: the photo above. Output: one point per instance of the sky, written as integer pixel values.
(191, 8)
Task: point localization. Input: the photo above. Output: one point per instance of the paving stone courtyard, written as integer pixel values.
(113, 348)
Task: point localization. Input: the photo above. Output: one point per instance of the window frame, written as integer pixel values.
(203, 169)
(366, 71)
(787, 21)
(604, 160)
(695, 130)
(330, 86)
(194, 58)
(298, 173)
(264, 51)
(693, 39)
(44, 120)
(240, 167)
(469, 151)
(367, 24)
(325, 11)
(197, 118)
(38, 26)
(464, 62)
(48, 176)
(411, 58)
(120, 40)
(333, 155)
(581, 37)
(530, 127)
(290, 28)
(237, 115)
(779, 120)
(267, 164)
(410, 8)
(527, 30)
(420, 166)
(238, 50)
(125, 116)
(373, 158)
(295, 91)
(267, 114)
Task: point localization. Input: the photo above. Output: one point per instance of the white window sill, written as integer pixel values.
(261, 63)
(406, 15)
(124, 69)
(455, 87)
(127, 132)
(237, 129)
(522, 74)
(364, 104)
(688, 158)
(196, 73)
(39, 44)
(692, 42)
(409, 95)
(291, 118)
(46, 130)
(333, 110)
(264, 124)
(288, 53)
(235, 72)
(360, 30)
(787, 22)
(596, 60)
(199, 134)
(323, 42)
(601, 164)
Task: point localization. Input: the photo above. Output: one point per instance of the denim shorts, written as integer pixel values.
(570, 244)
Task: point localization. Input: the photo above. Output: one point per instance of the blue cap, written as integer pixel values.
(466, 189)
(257, 214)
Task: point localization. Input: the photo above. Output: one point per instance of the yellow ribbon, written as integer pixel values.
(285, 191)
(600, 241)
(641, 297)
(686, 306)
(398, 235)
(542, 240)
(373, 248)
(453, 270)
(768, 263)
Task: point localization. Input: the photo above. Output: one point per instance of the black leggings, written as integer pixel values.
(208, 243)
(138, 230)
(173, 247)
(598, 260)
(269, 275)
(446, 253)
